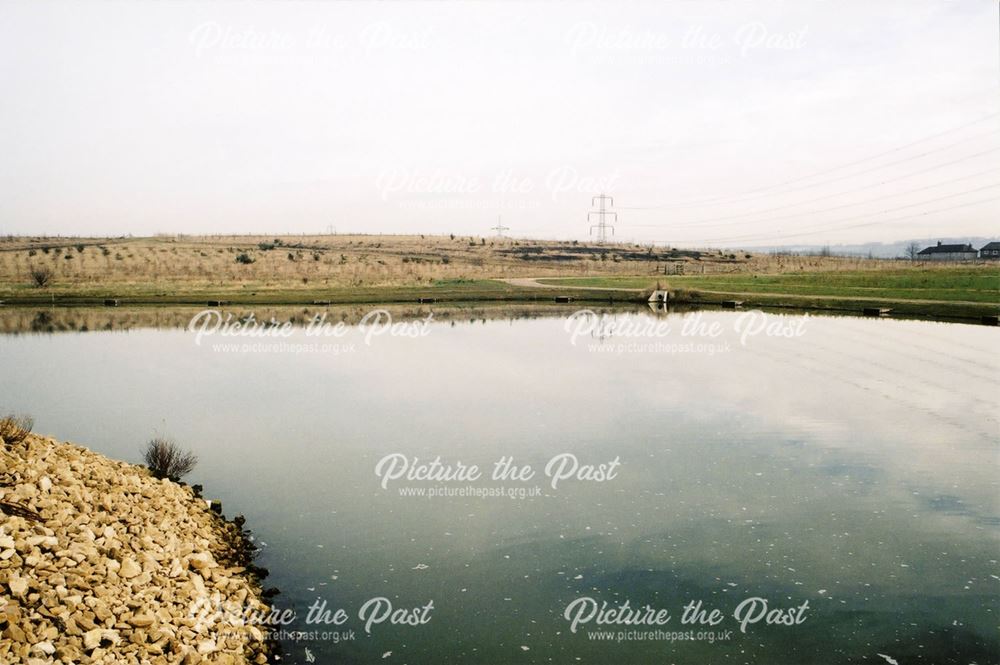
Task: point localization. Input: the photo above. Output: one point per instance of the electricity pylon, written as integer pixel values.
(499, 228)
(603, 215)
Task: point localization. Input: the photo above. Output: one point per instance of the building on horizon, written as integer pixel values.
(990, 250)
(939, 252)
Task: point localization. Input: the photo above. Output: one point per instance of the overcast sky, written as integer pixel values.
(146, 117)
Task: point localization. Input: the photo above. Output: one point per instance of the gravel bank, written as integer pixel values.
(118, 566)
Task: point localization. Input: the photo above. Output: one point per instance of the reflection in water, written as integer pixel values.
(15, 320)
(28, 319)
(854, 467)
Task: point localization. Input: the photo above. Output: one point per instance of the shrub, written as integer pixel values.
(15, 429)
(41, 276)
(80, 247)
(244, 258)
(265, 246)
(166, 460)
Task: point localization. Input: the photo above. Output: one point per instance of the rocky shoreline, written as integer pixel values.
(100, 562)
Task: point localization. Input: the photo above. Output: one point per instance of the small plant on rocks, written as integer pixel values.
(166, 460)
(15, 429)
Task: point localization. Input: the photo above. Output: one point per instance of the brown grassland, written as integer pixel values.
(386, 268)
(359, 260)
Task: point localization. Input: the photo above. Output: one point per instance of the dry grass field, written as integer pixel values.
(386, 268)
(358, 260)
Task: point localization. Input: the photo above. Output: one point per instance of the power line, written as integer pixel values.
(827, 196)
(830, 170)
(825, 225)
(824, 210)
(844, 177)
(855, 226)
(890, 220)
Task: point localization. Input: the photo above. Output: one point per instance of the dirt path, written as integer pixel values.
(533, 282)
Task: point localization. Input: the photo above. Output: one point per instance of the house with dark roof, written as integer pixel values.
(939, 252)
(990, 250)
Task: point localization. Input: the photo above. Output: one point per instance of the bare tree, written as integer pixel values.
(166, 460)
(41, 276)
(912, 251)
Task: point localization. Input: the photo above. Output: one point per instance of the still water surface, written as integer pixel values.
(854, 467)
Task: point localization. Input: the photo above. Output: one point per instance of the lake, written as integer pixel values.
(842, 470)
